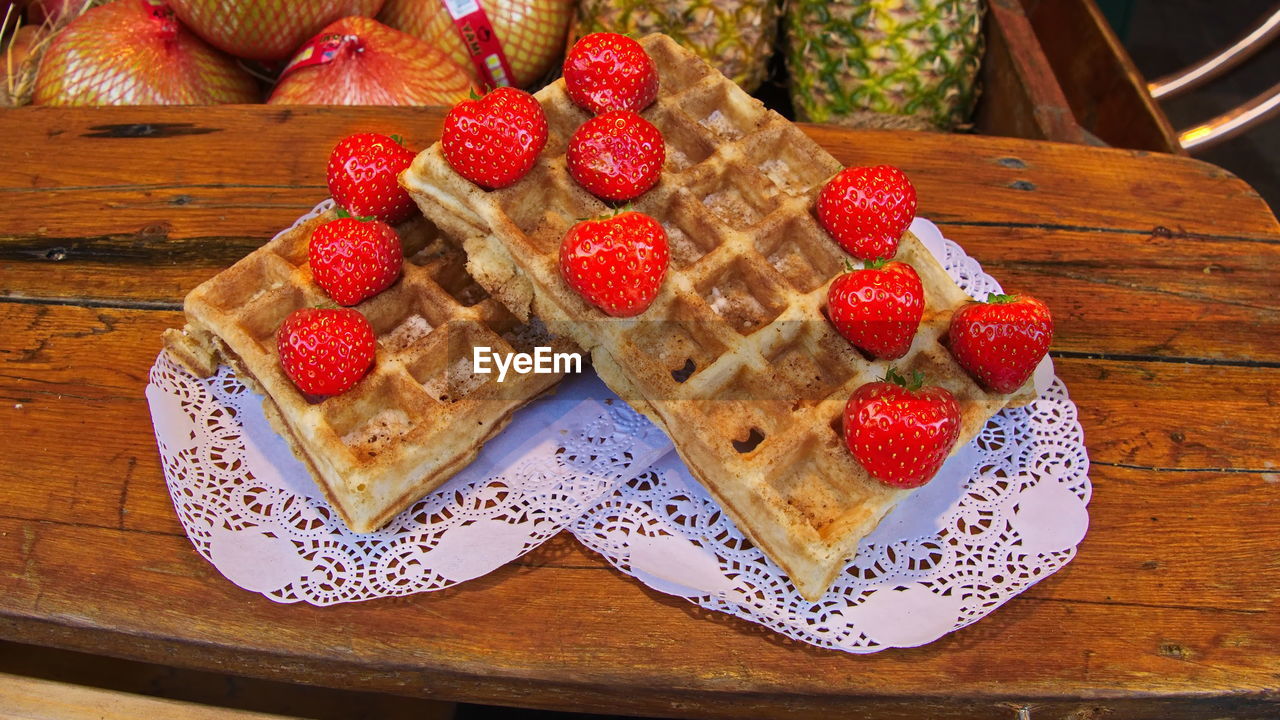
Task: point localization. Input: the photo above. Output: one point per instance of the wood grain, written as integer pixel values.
(211, 689)
(23, 698)
(1167, 342)
(1107, 94)
(1020, 97)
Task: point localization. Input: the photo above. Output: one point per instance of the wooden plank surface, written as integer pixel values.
(195, 689)
(23, 698)
(1160, 272)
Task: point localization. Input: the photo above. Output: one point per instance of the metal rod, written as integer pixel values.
(1261, 108)
(1213, 66)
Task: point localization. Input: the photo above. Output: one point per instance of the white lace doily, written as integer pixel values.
(1004, 512)
(251, 508)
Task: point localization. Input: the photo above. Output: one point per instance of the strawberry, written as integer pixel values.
(325, 351)
(354, 259)
(616, 263)
(493, 141)
(616, 155)
(606, 71)
(363, 176)
(867, 209)
(878, 308)
(900, 432)
(1001, 341)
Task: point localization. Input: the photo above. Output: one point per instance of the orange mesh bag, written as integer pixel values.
(358, 61)
(134, 52)
(265, 30)
(531, 32)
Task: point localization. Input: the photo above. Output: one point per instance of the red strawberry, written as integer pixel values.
(493, 141)
(325, 351)
(1001, 341)
(353, 259)
(878, 308)
(607, 71)
(617, 155)
(900, 432)
(363, 176)
(867, 209)
(616, 263)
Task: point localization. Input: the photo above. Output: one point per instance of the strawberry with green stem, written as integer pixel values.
(363, 176)
(1001, 341)
(326, 351)
(616, 263)
(877, 308)
(867, 210)
(899, 430)
(353, 259)
(494, 140)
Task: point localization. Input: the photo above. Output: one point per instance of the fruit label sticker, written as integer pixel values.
(481, 41)
(318, 51)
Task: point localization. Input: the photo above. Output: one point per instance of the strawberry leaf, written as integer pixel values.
(915, 383)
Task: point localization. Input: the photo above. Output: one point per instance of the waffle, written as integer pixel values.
(734, 359)
(419, 416)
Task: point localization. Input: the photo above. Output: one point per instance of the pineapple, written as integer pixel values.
(885, 63)
(736, 36)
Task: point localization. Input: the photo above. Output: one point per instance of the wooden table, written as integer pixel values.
(1160, 271)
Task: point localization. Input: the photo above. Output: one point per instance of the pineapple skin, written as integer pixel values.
(851, 61)
(735, 36)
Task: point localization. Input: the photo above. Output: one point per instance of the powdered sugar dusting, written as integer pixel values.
(458, 382)
(719, 122)
(776, 170)
(407, 334)
(729, 206)
(381, 429)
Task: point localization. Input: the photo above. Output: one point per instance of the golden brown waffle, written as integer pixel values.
(419, 416)
(734, 359)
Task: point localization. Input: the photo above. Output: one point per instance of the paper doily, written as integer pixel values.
(1004, 512)
(250, 507)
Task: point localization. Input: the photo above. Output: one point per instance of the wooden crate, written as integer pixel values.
(1054, 70)
(1020, 94)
